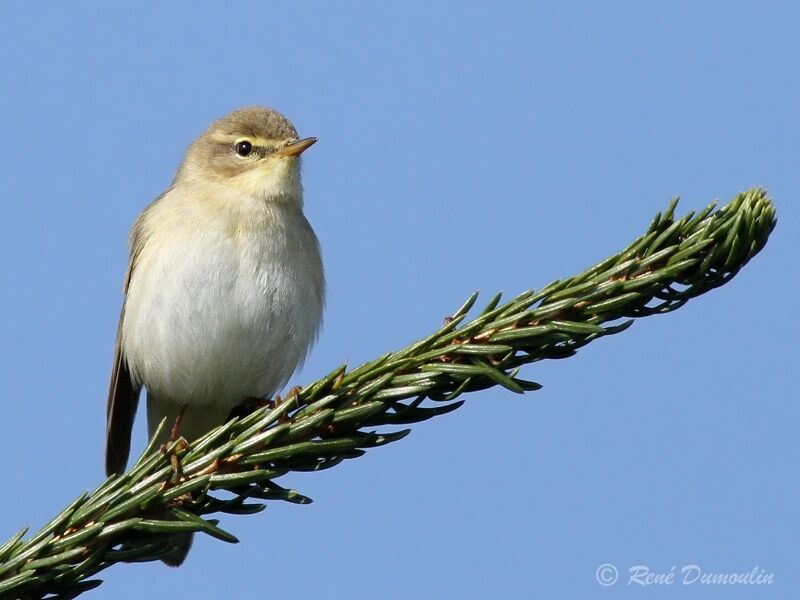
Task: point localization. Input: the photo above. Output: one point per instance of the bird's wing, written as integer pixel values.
(123, 394)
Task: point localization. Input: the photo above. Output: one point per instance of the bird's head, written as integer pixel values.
(255, 150)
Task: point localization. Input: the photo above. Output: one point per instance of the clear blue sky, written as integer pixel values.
(460, 149)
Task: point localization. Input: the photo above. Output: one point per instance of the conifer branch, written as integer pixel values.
(129, 518)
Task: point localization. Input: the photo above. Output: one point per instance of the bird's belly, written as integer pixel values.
(217, 326)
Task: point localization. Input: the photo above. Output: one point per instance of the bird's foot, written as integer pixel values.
(176, 445)
(290, 395)
(250, 405)
(293, 393)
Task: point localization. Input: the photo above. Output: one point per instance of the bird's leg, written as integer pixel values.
(276, 402)
(174, 435)
(176, 427)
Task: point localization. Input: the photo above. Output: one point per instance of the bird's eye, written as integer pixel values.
(244, 148)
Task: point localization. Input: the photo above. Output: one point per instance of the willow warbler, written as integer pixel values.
(225, 288)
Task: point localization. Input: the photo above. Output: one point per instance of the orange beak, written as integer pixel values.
(297, 147)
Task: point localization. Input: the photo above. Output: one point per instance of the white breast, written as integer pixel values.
(222, 306)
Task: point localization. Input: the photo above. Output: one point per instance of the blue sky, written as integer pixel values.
(491, 148)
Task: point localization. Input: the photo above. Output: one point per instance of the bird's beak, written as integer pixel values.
(297, 147)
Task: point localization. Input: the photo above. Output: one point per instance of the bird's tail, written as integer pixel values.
(180, 543)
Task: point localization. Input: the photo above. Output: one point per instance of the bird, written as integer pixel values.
(225, 288)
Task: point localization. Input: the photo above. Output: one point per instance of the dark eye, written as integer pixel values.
(244, 148)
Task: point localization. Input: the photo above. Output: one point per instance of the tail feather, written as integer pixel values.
(123, 398)
(180, 543)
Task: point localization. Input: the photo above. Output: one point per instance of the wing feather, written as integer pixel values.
(123, 394)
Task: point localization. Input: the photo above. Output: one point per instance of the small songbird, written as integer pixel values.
(225, 288)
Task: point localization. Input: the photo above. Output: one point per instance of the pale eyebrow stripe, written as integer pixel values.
(259, 149)
(256, 140)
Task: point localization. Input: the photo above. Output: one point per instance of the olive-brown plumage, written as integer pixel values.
(225, 287)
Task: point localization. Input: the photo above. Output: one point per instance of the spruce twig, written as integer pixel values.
(129, 518)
